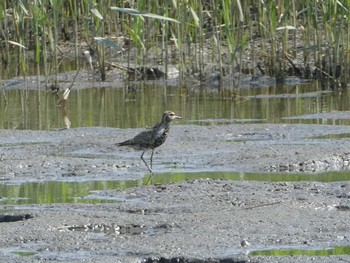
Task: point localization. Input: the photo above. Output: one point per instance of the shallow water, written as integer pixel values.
(293, 250)
(332, 251)
(83, 191)
(140, 107)
(49, 192)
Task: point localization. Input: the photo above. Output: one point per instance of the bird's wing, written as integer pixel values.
(144, 137)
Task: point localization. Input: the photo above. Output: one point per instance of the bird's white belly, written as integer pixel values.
(160, 132)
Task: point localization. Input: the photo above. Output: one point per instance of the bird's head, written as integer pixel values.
(168, 116)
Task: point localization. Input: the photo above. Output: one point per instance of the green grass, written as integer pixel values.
(202, 35)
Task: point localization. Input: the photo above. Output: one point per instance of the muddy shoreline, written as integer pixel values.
(201, 220)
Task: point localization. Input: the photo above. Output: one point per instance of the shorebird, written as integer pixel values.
(151, 138)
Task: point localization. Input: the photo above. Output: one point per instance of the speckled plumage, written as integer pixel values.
(151, 138)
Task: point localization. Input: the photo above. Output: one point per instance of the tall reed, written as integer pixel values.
(204, 36)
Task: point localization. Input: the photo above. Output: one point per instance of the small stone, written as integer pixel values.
(245, 243)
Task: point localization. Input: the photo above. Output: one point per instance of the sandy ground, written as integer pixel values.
(202, 220)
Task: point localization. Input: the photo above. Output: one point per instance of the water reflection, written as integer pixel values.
(337, 250)
(49, 192)
(64, 113)
(111, 107)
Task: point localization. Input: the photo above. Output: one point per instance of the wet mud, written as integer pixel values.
(176, 220)
(201, 220)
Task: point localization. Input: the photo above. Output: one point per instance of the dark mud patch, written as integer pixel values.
(85, 79)
(14, 217)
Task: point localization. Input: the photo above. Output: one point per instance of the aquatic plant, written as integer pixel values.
(305, 38)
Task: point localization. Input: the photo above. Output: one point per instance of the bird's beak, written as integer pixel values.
(177, 117)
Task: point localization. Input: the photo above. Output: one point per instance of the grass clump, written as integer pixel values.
(201, 37)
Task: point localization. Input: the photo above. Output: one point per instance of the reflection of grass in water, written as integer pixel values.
(59, 192)
(107, 108)
(167, 178)
(333, 136)
(81, 192)
(24, 253)
(338, 250)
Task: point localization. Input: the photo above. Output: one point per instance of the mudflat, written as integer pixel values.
(196, 220)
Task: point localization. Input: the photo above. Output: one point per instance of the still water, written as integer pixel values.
(142, 106)
(337, 250)
(49, 192)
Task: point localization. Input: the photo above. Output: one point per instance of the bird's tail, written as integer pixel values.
(123, 143)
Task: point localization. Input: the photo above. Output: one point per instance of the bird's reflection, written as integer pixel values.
(62, 104)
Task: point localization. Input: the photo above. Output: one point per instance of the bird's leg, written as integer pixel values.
(150, 179)
(152, 158)
(149, 169)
